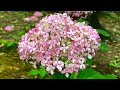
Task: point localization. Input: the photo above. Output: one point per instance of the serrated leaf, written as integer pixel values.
(9, 44)
(103, 47)
(42, 73)
(89, 74)
(34, 72)
(81, 20)
(110, 76)
(103, 32)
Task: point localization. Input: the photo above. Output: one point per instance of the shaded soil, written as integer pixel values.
(102, 59)
(11, 67)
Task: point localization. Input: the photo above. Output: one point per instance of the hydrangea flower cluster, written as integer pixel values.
(81, 14)
(57, 42)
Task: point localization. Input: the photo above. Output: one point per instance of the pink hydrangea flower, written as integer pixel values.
(80, 14)
(59, 43)
(38, 14)
(9, 28)
(33, 18)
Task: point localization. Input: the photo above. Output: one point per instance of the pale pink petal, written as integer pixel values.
(52, 72)
(89, 56)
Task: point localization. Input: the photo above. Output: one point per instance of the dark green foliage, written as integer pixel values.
(7, 43)
(110, 76)
(34, 72)
(103, 47)
(58, 75)
(103, 32)
(41, 72)
(3, 41)
(88, 62)
(73, 75)
(89, 74)
(20, 33)
(92, 74)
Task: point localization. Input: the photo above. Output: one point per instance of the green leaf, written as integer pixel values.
(110, 76)
(114, 63)
(20, 33)
(33, 24)
(34, 72)
(41, 67)
(26, 27)
(88, 61)
(103, 47)
(42, 73)
(73, 75)
(92, 74)
(58, 75)
(103, 32)
(9, 44)
(89, 74)
(3, 41)
(81, 20)
(17, 38)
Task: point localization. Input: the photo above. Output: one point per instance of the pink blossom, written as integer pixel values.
(59, 43)
(34, 64)
(50, 69)
(33, 18)
(64, 48)
(80, 14)
(59, 65)
(38, 14)
(44, 62)
(9, 28)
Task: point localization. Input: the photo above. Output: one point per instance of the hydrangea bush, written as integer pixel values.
(59, 43)
(80, 14)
